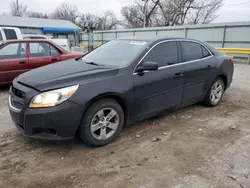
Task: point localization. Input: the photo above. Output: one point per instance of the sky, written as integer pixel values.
(232, 10)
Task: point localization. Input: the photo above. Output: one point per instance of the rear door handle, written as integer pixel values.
(178, 75)
(54, 59)
(209, 67)
(22, 62)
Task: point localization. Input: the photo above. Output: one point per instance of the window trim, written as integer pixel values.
(19, 46)
(181, 63)
(170, 40)
(186, 40)
(48, 43)
(56, 49)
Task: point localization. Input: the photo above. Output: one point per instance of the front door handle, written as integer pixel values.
(209, 67)
(54, 59)
(22, 62)
(178, 75)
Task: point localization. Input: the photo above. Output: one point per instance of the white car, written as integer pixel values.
(34, 36)
(10, 33)
(64, 43)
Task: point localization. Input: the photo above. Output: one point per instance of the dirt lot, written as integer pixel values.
(206, 147)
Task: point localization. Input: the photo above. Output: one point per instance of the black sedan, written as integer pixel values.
(120, 82)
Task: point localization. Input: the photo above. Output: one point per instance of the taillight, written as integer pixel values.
(232, 58)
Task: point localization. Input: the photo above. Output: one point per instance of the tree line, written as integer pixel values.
(152, 13)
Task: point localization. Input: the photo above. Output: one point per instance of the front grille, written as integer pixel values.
(18, 93)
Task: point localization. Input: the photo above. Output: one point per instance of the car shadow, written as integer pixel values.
(128, 131)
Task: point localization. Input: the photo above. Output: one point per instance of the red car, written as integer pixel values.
(19, 56)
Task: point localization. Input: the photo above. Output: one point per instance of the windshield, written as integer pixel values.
(117, 52)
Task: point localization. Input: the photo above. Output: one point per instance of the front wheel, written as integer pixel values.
(215, 93)
(102, 123)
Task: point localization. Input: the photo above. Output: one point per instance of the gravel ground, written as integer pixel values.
(205, 147)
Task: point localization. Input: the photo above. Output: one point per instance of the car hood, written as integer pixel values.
(66, 73)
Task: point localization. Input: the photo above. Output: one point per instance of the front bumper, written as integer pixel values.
(56, 123)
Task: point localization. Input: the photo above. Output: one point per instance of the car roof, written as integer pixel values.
(156, 39)
(34, 40)
(27, 40)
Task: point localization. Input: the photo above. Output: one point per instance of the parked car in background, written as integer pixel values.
(10, 33)
(64, 43)
(120, 82)
(19, 56)
(36, 36)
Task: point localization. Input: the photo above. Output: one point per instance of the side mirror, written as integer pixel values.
(148, 66)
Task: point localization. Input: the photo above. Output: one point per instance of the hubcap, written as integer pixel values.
(216, 93)
(104, 124)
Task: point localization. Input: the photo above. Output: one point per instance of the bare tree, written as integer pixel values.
(85, 19)
(204, 11)
(37, 15)
(108, 20)
(149, 11)
(172, 12)
(17, 9)
(135, 15)
(66, 11)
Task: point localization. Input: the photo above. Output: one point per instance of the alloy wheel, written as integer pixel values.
(104, 124)
(216, 93)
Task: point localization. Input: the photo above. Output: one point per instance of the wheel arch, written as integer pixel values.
(224, 79)
(110, 95)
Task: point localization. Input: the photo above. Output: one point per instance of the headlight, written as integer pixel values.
(52, 98)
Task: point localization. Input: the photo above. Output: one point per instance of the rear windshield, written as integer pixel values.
(10, 34)
(117, 52)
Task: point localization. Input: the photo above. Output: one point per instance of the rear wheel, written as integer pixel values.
(215, 93)
(102, 123)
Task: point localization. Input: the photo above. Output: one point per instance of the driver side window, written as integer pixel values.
(163, 54)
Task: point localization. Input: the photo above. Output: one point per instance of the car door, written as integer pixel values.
(161, 89)
(13, 61)
(42, 53)
(198, 66)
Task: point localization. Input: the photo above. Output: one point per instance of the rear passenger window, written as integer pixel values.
(205, 52)
(10, 34)
(191, 51)
(42, 49)
(164, 54)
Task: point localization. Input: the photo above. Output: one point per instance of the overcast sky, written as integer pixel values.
(232, 10)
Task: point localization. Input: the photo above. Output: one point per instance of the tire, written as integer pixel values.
(214, 96)
(103, 117)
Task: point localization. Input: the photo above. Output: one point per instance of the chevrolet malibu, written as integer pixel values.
(120, 82)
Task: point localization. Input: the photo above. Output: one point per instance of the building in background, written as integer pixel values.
(62, 29)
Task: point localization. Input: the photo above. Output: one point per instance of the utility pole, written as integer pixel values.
(17, 8)
(145, 13)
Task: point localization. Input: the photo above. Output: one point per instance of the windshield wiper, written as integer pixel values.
(92, 63)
